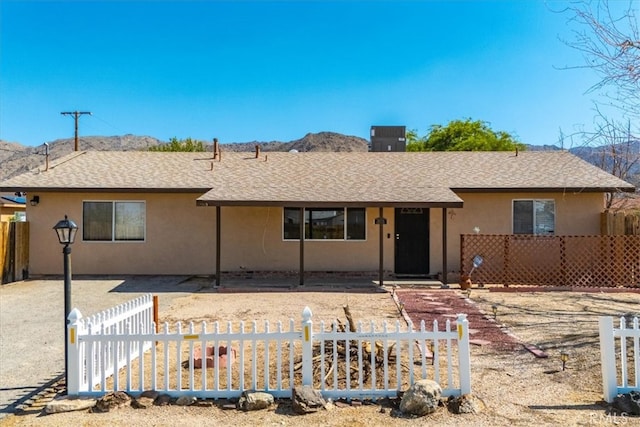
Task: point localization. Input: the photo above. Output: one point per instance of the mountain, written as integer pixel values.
(603, 156)
(16, 159)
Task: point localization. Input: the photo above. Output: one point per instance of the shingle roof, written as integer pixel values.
(300, 178)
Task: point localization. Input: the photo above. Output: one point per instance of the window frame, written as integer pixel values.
(534, 220)
(344, 238)
(113, 239)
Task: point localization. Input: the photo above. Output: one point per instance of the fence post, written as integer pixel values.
(74, 327)
(608, 358)
(307, 347)
(464, 359)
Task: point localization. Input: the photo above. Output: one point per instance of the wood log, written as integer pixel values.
(347, 313)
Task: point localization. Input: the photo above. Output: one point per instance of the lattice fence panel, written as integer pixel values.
(607, 261)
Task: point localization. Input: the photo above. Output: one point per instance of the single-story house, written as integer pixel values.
(396, 213)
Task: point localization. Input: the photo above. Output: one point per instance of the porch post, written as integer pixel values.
(301, 246)
(218, 245)
(444, 248)
(381, 265)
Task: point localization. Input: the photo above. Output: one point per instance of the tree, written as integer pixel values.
(610, 45)
(176, 144)
(462, 135)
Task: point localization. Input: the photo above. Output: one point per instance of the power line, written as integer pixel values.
(76, 115)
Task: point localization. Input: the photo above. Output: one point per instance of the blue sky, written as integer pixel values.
(257, 70)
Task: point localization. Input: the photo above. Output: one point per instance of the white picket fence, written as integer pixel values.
(107, 356)
(246, 357)
(620, 356)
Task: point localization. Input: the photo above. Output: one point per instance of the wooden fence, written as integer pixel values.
(620, 223)
(209, 361)
(14, 251)
(582, 261)
(619, 347)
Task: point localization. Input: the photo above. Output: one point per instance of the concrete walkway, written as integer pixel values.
(32, 325)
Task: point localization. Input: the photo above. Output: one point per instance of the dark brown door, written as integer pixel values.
(412, 241)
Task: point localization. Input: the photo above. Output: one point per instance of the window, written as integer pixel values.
(325, 224)
(113, 221)
(534, 216)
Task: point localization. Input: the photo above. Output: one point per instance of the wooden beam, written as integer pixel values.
(218, 227)
(301, 282)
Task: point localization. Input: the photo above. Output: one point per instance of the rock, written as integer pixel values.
(465, 404)
(68, 404)
(628, 403)
(142, 402)
(185, 400)
(146, 399)
(422, 398)
(163, 400)
(113, 400)
(255, 400)
(150, 393)
(305, 400)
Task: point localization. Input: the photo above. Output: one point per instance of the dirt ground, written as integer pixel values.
(512, 386)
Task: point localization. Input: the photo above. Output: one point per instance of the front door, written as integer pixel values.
(412, 241)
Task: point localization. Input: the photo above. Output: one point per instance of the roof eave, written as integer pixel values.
(629, 189)
(321, 204)
(105, 190)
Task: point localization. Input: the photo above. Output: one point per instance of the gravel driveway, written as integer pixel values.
(32, 324)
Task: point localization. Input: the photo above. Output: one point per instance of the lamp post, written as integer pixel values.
(66, 230)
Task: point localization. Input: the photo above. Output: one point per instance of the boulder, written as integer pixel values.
(255, 400)
(305, 400)
(628, 403)
(186, 400)
(422, 398)
(163, 400)
(465, 404)
(142, 402)
(145, 400)
(113, 400)
(68, 404)
(150, 393)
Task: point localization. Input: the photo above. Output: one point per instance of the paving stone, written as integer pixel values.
(68, 404)
(479, 342)
(536, 351)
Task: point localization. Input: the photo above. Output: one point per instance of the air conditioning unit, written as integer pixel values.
(388, 138)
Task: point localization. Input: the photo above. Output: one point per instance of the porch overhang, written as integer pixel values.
(294, 197)
(404, 197)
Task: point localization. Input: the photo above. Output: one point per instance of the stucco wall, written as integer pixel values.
(180, 236)
(252, 240)
(576, 214)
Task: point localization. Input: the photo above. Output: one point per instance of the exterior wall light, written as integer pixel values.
(34, 201)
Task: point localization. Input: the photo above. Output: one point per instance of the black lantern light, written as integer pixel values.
(66, 230)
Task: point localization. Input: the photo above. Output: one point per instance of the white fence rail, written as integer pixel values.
(133, 317)
(620, 356)
(209, 361)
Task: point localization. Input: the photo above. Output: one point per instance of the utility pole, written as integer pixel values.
(76, 115)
